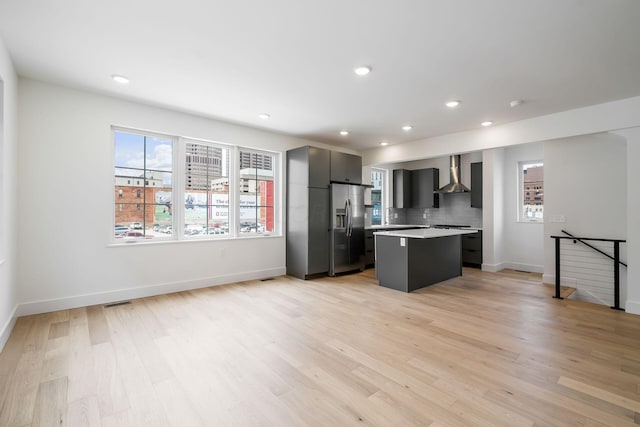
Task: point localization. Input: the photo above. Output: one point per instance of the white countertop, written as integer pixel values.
(424, 233)
(390, 226)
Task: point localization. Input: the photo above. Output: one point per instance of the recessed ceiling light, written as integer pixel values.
(362, 71)
(344, 132)
(407, 128)
(487, 123)
(384, 143)
(120, 79)
(264, 116)
(515, 103)
(452, 104)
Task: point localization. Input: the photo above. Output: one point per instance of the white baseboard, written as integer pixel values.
(513, 266)
(530, 268)
(8, 328)
(492, 267)
(632, 307)
(549, 279)
(46, 306)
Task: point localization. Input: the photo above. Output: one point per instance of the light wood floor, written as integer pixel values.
(485, 349)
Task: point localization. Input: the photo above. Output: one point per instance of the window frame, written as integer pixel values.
(383, 193)
(174, 142)
(178, 190)
(520, 211)
(182, 154)
(275, 158)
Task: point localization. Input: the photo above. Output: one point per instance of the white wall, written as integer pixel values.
(632, 137)
(523, 243)
(586, 182)
(492, 209)
(66, 203)
(8, 172)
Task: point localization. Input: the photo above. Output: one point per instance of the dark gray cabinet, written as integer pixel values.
(415, 188)
(346, 168)
(401, 188)
(472, 249)
(307, 227)
(423, 184)
(408, 264)
(369, 248)
(476, 185)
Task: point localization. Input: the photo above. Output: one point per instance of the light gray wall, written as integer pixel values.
(8, 193)
(523, 244)
(632, 137)
(586, 183)
(493, 209)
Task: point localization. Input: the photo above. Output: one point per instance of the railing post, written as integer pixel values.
(557, 295)
(616, 276)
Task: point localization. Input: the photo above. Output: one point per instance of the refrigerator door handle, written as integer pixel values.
(345, 217)
(349, 219)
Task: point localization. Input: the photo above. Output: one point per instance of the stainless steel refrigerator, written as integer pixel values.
(347, 228)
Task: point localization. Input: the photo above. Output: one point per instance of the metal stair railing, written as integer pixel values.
(615, 258)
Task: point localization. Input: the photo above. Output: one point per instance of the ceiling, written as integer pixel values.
(294, 59)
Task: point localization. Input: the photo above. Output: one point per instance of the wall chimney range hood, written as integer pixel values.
(454, 186)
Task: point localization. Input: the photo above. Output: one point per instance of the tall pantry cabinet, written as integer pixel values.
(308, 181)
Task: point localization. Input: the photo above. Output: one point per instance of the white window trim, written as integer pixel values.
(174, 141)
(384, 199)
(178, 191)
(520, 195)
(277, 186)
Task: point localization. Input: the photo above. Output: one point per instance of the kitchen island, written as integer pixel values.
(412, 259)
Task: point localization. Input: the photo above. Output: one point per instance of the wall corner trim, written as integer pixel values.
(7, 328)
(549, 279)
(632, 307)
(493, 268)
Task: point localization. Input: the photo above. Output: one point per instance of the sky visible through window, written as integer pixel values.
(130, 153)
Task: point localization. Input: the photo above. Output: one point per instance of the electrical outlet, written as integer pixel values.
(365, 215)
(556, 218)
(395, 215)
(424, 216)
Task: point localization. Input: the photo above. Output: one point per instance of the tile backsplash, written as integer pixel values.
(455, 208)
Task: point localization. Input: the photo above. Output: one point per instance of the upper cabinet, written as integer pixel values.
(423, 184)
(309, 166)
(415, 188)
(476, 185)
(401, 188)
(346, 168)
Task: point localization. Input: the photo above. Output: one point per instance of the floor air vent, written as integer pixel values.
(115, 304)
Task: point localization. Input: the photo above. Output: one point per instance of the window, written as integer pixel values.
(531, 193)
(377, 193)
(206, 190)
(222, 190)
(149, 157)
(256, 191)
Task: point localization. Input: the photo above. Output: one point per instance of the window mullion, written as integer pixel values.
(179, 184)
(234, 192)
